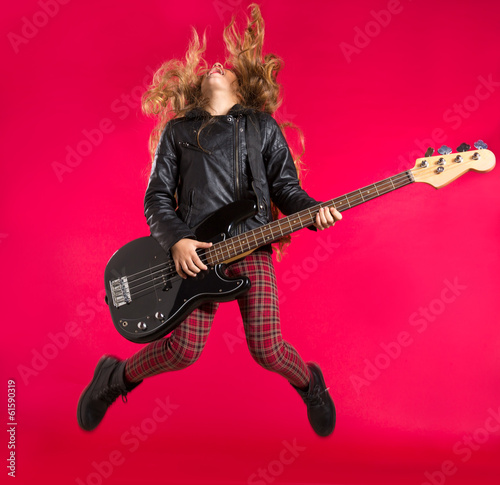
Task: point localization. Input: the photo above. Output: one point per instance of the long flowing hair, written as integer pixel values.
(176, 85)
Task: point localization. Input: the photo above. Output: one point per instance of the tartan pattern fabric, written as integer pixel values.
(260, 312)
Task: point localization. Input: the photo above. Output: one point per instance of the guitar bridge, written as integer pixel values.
(120, 291)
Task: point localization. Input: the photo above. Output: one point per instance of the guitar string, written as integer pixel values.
(169, 270)
(157, 278)
(213, 250)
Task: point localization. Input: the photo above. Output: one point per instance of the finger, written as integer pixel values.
(200, 244)
(186, 269)
(179, 270)
(319, 224)
(199, 263)
(330, 220)
(336, 214)
(325, 217)
(196, 257)
(192, 269)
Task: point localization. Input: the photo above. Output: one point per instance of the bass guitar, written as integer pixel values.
(148, 299)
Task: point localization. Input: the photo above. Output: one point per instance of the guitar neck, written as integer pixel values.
(249, 241)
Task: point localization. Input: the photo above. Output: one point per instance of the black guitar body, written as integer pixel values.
(148, 299)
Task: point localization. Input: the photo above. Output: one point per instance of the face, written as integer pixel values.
(219, 78)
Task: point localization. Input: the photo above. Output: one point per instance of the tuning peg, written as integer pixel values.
(480, 145)
(463, 147)
(429, 152)
(444, 150)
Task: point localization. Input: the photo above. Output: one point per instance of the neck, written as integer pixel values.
(220, 103)
(232, 248)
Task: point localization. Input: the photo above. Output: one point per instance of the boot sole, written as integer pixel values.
(89, 388)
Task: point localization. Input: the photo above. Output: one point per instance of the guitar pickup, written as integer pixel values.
(120, 291)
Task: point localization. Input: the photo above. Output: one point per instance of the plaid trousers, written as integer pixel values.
(260, 312)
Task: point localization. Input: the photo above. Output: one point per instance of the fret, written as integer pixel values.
(247, 242)
(268, 233)
(261, 234)
(254, 238)
(368, 193)
(238, 245)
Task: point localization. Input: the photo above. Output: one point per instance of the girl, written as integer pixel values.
(215, 143)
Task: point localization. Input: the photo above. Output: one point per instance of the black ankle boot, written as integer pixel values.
(108, 383)
(320, 407)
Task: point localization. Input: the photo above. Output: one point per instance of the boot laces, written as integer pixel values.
(315, 397)
(110, 393)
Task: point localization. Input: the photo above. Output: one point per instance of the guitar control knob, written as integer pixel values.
(459, 159)
(440, 170)
(159, 316)
(142, 326)
(424, 163)
(441, 161)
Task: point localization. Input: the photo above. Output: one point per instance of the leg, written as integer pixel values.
(178, 351)
(260, 312)
(113, 377)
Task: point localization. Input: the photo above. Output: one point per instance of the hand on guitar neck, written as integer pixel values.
(327, 218)
(188, 263)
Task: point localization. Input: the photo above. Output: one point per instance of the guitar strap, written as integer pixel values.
(254, 144)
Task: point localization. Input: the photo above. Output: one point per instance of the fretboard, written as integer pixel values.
(268, 233)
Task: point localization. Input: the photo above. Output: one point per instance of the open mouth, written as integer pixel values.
(217, 69)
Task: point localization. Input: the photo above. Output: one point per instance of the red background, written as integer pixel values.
(424, 413)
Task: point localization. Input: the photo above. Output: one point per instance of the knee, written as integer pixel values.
(181, 355)
(186, 359)
(269, 358)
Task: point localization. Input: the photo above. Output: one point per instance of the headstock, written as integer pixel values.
(445, 167)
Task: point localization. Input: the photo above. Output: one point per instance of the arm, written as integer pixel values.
(284, 185)
(159, 201)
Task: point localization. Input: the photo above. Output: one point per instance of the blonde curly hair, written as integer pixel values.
(176, 85)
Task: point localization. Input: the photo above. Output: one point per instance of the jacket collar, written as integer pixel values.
(234, 111)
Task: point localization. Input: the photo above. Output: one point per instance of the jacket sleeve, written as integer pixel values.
(284, 186)
(159, 202)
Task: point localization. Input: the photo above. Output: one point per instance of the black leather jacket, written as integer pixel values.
(209, 177)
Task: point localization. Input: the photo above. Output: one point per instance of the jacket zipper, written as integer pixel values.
(239, 227)
(236, 159)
